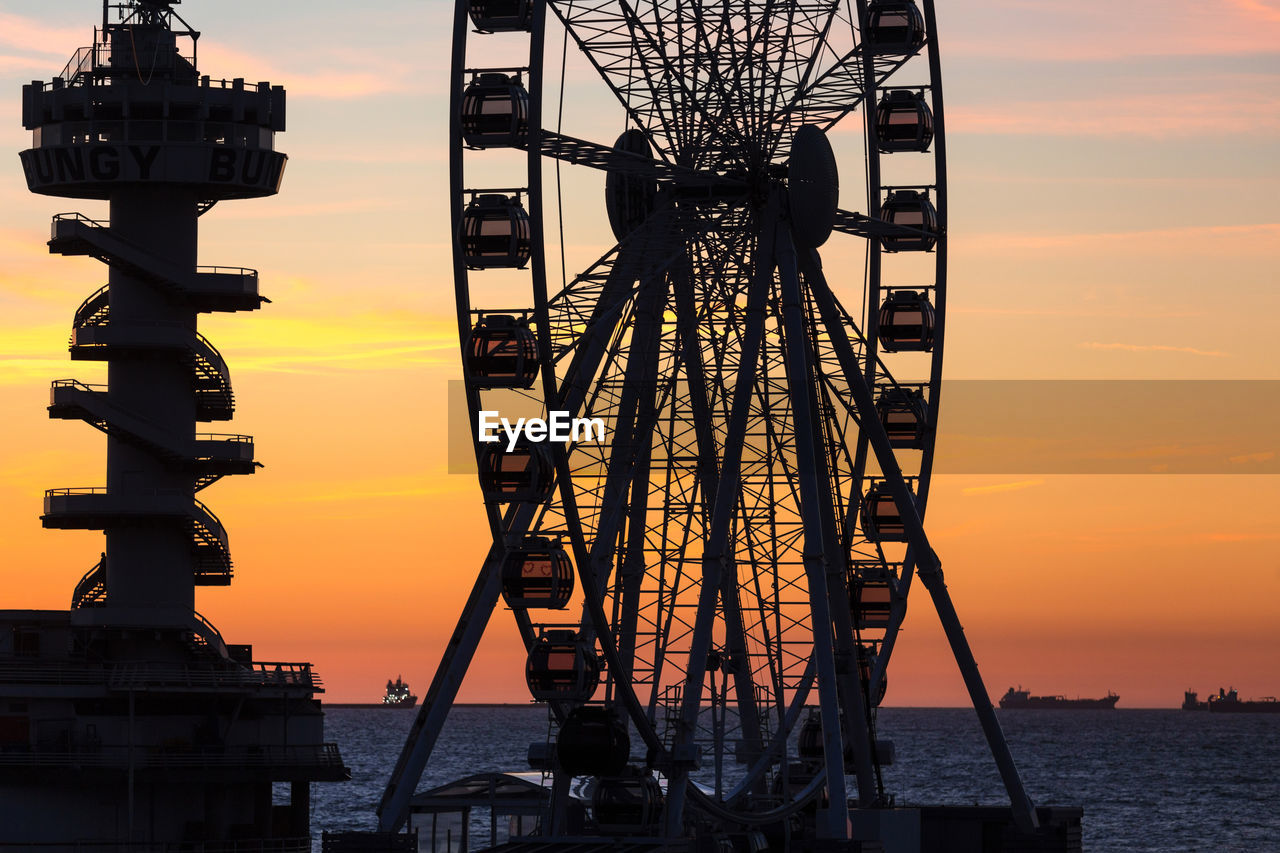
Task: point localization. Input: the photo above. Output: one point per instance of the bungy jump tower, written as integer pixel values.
(126, 722)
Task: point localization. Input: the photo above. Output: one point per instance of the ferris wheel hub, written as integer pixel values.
(813, 187)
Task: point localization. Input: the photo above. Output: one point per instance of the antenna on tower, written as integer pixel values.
(142, 36)
(156, 13)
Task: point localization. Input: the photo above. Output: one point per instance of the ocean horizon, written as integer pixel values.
(1149, 780)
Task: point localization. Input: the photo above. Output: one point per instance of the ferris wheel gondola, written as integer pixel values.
(747, 535)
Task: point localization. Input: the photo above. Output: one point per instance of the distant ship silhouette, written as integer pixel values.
(399, 695)
(1022, 699)
(1229, 702)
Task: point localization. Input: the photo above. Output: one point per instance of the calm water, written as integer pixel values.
(1148, 780)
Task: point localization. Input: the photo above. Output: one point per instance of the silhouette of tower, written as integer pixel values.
(131, 121)
(188, 732)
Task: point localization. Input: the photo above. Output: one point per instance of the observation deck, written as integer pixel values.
(132, 109)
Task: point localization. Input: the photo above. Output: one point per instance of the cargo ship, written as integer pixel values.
(1022, 699)
(1191, 701)
(398, 695)
(1229, 702)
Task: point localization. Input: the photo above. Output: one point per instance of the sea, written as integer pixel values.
(1148, 780)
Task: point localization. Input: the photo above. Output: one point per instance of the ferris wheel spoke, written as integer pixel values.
(861, 225)
(622, 48)
(581, 152)
(651, 404)
(585, 314)
(829, 97)
(588, 306)
(838, 90)
(805, 35)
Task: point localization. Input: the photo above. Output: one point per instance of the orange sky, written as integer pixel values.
(1113, 217)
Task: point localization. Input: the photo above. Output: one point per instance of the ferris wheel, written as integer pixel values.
(739, 546)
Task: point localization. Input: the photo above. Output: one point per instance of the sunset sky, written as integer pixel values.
(1114, 171)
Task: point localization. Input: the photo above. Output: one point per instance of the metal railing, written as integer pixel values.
(95, 304)
(77, 490)
(253, 845)
(39, 671)
(91, 591)
(258, 675)
(219, 436)
(105, 225)
(179, 757)
(208, 635)
(81, 62)
(74, 217)
(76, 383)
(217, 270)
(97, 58)
(255, 676)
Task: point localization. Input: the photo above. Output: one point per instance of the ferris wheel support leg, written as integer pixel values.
(393, 809)
(897, 614)
(858, 721)
(631, 573)
(717, 544)
(634, 421)
(817, 540)
(929, 567)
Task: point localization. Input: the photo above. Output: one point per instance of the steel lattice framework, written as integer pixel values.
(727, 534)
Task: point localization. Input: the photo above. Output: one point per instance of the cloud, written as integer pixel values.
(422, 153)
(318, 344)
(427, 482)
(1241, 537)
(1002, 487)
(440, 485)
(37, 354)
(1109, 313)
(1159, 451)
(1261, 238)
(1153, 348)
(323, 208)
(1068, 30)
(1259, 10)
(330, 74)
(390, 340)
(1246, 458)
(1247, 108)
(23, 66)
(29, 36)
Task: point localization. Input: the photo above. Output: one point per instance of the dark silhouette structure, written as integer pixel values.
(126, 722)
(745, 539)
